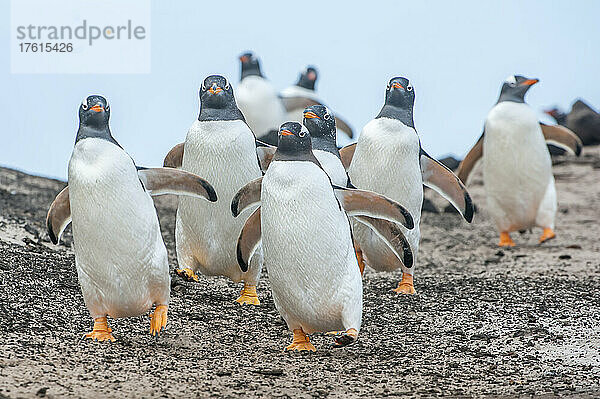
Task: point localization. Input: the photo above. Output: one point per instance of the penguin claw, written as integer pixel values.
(158, 319)
(345, 338)
(187, 274)
(548, 234)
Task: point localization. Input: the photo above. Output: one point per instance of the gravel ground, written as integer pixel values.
(485, 321)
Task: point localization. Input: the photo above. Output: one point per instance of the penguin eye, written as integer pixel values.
(326, 117)
(226, 84)
(107, 107)
(302, 134)
(512, 84)
(84, 104)
(409, 87)
(203, 88)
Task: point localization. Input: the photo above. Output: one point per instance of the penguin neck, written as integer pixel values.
(103, 133)
(229, 113)
(306, 83)
(251, 70)
(515, 98)
(404, 115)
(285, 153)
(325, 143)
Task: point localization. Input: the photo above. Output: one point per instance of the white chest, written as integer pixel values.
(333, 167)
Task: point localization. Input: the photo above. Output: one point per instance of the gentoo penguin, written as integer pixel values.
(221, 147)
(301, 95)
(307, 242)
(389, 160)
(517, 170)
(258, 100)
(583, 120)
(120, 256)
(320, 123)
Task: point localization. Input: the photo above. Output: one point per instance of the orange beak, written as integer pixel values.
(397, 85)
(310, 115)
(97, 108)
(244, 58)
(286, 132)
(529, 82)
(215, 90)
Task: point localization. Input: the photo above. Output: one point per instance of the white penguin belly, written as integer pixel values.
(386, 161)
(332, 165)
(308, 250)
(223, 153)
(120, 256)
(259, 102)
(516, 165)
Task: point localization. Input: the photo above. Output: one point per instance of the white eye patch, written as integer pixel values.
(511, 79)
(84, 103)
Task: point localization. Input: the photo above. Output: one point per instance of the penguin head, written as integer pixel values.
(250, 65)
(515, 87)
(319, 121)
(94, 112)
(400, 93)
(216, 93)
(308, 78)
(293, 138)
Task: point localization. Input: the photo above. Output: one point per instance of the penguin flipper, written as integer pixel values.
(59, 215)
(249, 240)
(265, 154)
(367, 203)
(391, 234)
(159, 181)
(343, 126)
(246, 196)
(296, 102)
(346, 154)
(471, 159)
(174, 158)
(563, 138)
(447, 184)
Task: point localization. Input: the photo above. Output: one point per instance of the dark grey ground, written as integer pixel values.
(485, 322)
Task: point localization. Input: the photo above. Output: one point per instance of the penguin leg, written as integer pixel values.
(187, 274)
(359, 258)
(158, 319)
(406, 286)
(548, 234)
(547, 212)
(300, 342)
(248, 295)
(505, 240)
(101, 331)
(345, 338)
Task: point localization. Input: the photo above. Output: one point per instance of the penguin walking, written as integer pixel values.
(258, 100)
(303, 224)
(120, 256)
(517, 169)
(221, 147)
(388, 159)
(302, 95)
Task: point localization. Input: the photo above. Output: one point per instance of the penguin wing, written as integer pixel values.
(159, 181)
(297, 102)
(447, 184)
(343, 126)
(249, 240)
(471, 159)
(367, 203)
(59, 215)
(391, 234)
(265, 154)
(246, 197)
(346, 154)
(563, 138)
(174, 158)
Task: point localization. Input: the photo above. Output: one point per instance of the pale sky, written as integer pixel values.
(456, 55)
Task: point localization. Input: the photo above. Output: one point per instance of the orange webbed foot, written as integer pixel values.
(505, 240)
(158, 319)
(548, 234)
(345, 338)
(248, 295)
(187, 274)
(300, 342)
(101, 331)
(406, 286)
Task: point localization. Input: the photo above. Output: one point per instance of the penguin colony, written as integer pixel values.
(262, 183)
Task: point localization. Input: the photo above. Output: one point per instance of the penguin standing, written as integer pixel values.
(221, 147)
(302, 95)
(517, 169)
(388, 159)
(307, 242)
(258, 100)
(120, 256)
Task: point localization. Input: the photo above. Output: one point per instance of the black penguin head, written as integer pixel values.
(400, 93)
(515, 87)
(250, 65)
(319, 121)
(308, 78)
(94, 112)
(216, 92)
(293, 139)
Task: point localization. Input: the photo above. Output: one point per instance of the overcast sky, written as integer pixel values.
(456, 55)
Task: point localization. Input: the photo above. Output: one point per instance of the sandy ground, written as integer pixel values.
(485, 322)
